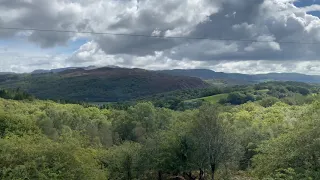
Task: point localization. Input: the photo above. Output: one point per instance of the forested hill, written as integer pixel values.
(102, 84)
(243, 78)
(47, 140)
(207, 74)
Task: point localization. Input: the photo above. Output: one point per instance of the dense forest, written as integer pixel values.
(274, 135)
(99, 85)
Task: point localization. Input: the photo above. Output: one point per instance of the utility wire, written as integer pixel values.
(154, 36)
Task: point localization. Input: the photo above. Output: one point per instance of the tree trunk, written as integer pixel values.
(201, 174)
(129, 175)
(128, 167)
(190, 177)
(315, 162)
(213, 169)
(159, 175)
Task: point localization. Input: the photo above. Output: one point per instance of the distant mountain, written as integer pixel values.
(2, 73)
(288, 77)
(206, 74)
(101, 84)
(42, 71)
(120, 84)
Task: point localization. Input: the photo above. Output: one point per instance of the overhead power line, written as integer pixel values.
(155, 36)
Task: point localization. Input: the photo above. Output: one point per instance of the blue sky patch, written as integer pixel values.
(303, 3)
(70, 47)
(22, 45)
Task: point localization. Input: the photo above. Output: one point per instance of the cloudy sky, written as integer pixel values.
(262, 35)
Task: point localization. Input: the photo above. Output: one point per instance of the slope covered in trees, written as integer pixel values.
(47, 140)
(103, 84)
(267, 93)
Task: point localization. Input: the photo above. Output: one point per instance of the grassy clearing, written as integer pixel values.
(212, 99)
(216, 98)
(263, 90)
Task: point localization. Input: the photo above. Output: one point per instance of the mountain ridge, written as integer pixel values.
(207, 74)
(57, 70)
(99, 84)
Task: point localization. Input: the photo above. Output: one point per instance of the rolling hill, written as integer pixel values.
(206, 74)
(216, 98)
(43, 71)
(102, 84)
(236, 78)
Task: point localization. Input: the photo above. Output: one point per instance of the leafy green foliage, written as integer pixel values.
(267, 138)
(294, 153)
(122, 161)
(292, 93)
(36, 157)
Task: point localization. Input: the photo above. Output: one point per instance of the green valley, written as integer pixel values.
(186, 130)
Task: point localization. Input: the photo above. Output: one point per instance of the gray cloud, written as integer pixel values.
(258, 20)
(39, 14)
(146, 17)
(262, 20)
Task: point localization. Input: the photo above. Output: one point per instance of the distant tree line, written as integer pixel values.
(15, 94)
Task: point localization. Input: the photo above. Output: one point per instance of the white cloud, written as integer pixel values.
(160, 61)
(314, 7)
(266, 21)
(15, 61)
(311, 67)
(266, 42)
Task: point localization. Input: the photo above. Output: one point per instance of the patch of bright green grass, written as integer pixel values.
(212, 99)
(216, 98)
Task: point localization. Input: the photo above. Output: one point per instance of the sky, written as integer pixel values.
(283, 35)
